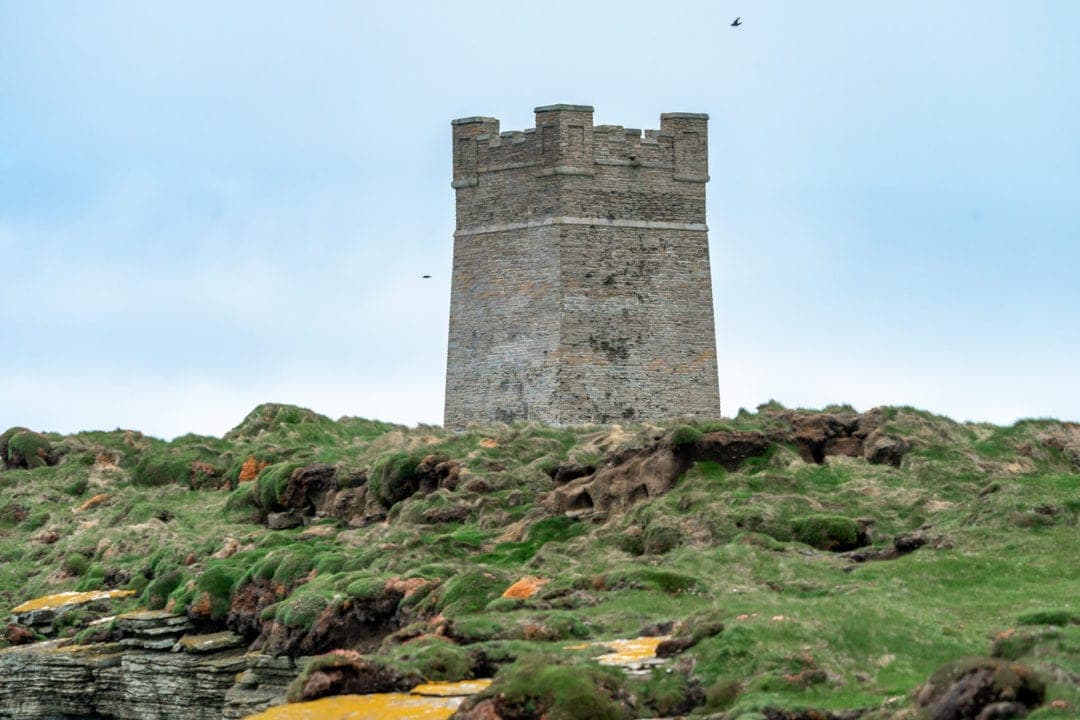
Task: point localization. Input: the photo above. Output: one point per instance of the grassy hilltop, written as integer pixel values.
(798, 559)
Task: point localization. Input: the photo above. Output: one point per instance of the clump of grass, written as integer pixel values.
(1049, 617)
(394, 477)
(470, 592)
(217, 584)
(270, 485)
(76, 564)
(661, 538)
(20, 447)
(160, 588)
(542, 685)
(666, 693)
(434, 659)
(826, 532)
(556, 529)
(685, 436)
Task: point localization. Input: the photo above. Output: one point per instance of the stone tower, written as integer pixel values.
(581, 289)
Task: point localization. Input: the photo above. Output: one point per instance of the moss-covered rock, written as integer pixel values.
(541, 686)
(22, 448)
(827, 532)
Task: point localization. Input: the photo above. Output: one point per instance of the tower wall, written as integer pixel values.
(581, 287)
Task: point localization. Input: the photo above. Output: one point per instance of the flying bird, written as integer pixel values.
(425, 276)
(737, 22)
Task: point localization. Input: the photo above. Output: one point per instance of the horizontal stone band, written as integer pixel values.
(599, 222)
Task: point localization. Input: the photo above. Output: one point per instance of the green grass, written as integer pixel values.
(752, 549)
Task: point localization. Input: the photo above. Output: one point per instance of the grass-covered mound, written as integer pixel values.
(798, 559)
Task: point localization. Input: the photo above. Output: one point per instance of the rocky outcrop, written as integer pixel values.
(263, 684)
(822, 435)
(981, 689)
(157, 669)
(630, 476)
(152, 629)
(348, 624)
(49, 680)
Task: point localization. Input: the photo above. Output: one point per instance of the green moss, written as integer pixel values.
(271, 483)
(76, 564)
(556, 529)
(540, 685)
(471, 591)
(218, 582)
(77, 487)
(667, 581)
(5, 441)
(394, 477)
(29, 449)
(664, 691)
(157, 471)
(92, 579)
(300, 610)
(242, 500)
(36, 518)
(685, 436)
(158, 590)
(434, 659)
(660, 538)
(478, 628)
(367, 589)
(826, 532)
(722, 694)
(1049, 617)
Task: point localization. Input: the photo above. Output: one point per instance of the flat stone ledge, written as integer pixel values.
(684, 116)
(473, 120)
(562, 107)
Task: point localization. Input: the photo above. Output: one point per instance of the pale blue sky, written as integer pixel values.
(207, 205)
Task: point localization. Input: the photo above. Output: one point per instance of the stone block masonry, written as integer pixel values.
(581, 289)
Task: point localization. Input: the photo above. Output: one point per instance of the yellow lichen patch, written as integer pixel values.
(382, 706)
(451, 689)
(70, 598)
(525, 588)
(630, 651)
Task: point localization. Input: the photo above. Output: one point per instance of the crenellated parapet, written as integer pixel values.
(565, 142)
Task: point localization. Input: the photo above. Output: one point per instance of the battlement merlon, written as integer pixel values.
(565, 142)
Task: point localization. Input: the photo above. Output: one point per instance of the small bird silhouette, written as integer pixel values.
(425, 276)
(737, 22)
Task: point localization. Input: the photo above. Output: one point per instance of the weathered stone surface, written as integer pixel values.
(212, 642)
(581, 287)
(307, 485)
(630, 476)
(881, 449)
(41, 612)
(284, 520)
(261, 685)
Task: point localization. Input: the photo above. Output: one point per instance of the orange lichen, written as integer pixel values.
(525, 588)
(489, 443)
(93, 502)
(70, 598)
(451, 689)
(251, 469)
(391, 706)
